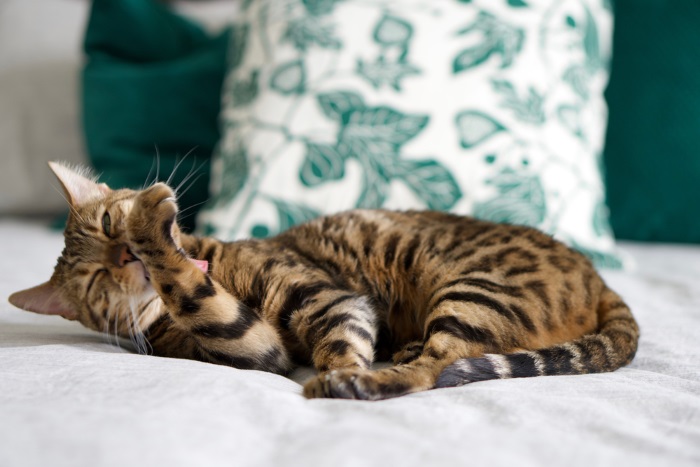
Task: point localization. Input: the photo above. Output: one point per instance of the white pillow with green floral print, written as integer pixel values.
(492, 108)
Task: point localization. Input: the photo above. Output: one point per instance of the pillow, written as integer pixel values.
(492, 108)
(652, 145)
(152, 84)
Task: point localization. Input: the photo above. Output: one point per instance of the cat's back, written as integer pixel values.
(422, 248)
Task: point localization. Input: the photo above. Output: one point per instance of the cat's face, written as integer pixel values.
(97, 280)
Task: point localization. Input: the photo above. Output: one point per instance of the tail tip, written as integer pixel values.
(450, 377)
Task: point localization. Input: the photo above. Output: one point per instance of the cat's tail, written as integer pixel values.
(611, 347)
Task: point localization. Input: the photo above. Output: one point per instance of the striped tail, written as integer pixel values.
(612, 347)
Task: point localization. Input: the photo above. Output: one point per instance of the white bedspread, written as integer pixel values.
(69, 398)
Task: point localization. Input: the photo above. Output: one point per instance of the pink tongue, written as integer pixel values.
(201, 264)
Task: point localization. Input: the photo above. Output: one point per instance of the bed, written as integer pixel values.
(71, 397)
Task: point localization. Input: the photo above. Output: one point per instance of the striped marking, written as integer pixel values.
(411, 252)
(390, 249)
(298, 296)
(231, 330)
(523, 365)
(487, 285)
(501, 365)
(453, 326)
(512, 312)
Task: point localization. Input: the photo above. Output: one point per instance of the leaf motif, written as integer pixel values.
(601, 216)
(497, 37)
(503, 86)
(517, 3)
(509, 45)
(381, 72)
(305, 31)
(375, 155)
(529, 109)
(533, 107)
(245, 91)
(392, 31)
(322, 163)
(373, 136)
(508, 210)
(577, 77)
(570, 117)
(469, 58)
(591, 43)
(239, 39)
(237, 170)
(374, 190)
(289, 78)
(475, 127)
(382, 124)
(291, 214)
(520, 200)
(319, 7)
(336, 104)
(431, 181)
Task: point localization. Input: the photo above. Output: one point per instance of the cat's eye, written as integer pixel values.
(106, 224)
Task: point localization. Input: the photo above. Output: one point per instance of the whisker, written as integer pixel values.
(107, 331)
(137, 337)
(116, 328)
(190, 185)
(177, 165)
(181, 217)
(193, 171)
(130, 321)
(145, 344)
(150, 171)
(157, 165)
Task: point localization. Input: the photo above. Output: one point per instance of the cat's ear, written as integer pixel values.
(43, 299)
(78, 187)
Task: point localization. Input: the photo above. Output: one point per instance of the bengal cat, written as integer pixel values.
(452, 300)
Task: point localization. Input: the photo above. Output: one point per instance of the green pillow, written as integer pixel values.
(653, 140)
(152, 84)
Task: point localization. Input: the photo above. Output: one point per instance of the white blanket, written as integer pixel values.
(69, 398)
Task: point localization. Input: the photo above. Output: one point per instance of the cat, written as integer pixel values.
(451, 299)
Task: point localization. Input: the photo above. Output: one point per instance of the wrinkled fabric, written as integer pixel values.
(70, 398)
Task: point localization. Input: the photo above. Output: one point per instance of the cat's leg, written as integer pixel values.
(453, 330)
(224, 330)
(339, 328)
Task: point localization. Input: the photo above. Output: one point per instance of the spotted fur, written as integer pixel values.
(453, 299)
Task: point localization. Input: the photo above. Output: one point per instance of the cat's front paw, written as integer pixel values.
(151, 224)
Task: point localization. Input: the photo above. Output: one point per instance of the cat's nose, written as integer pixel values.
(122, 255)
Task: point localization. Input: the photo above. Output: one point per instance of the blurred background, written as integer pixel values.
(101, 89)
(154, 76)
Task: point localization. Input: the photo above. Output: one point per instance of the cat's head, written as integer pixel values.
(97, 280)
